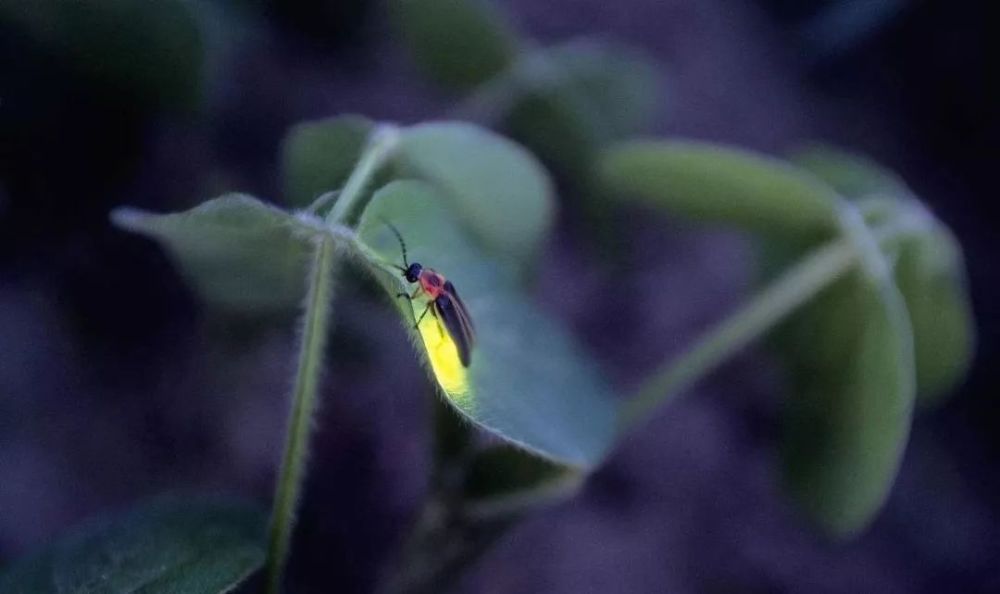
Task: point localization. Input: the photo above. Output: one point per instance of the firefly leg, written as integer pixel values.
(408, 296)
(426, 309)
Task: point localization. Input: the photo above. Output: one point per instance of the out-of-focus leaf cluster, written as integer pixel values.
(895, 326)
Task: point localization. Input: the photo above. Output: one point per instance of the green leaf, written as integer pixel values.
(528, 382)
(318, 157)
(853, 176)
(501, 480)
(498, 190)
(150, 50)
(167, 546)
(241, 254)
(930, 271)
(848, 420)
(709, 183)
(571, 99)
(459, 43)
(930, 275)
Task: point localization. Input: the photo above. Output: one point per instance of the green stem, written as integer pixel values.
(379, 149)
(793, 289)
(304, 399)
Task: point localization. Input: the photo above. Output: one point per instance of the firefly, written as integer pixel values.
(444, 304)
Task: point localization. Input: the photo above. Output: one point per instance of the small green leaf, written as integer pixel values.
(459, 43)
(930, 271)
(528, 382)
(502, 480)
(167, 546)
(709, 183)
(317, 157)
(571, 99)
(150, 50)
(241, 254)
(851, 357)
(498, 190)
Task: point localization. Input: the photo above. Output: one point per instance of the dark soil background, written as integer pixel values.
(116, 383)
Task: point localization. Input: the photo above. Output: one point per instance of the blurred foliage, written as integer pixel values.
(458, 43)
(150, 51)
(858, 351)
(709, 183)
(195, 545)
(930, 270)
(318, 156)
(563, 102)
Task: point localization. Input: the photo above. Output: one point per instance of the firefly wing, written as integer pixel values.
(452, 314)
(462, 310)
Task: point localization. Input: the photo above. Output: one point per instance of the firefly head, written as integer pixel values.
(412, 272)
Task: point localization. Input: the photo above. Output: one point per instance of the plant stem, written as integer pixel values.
(304, 399)
(380, 147)
(792, 290)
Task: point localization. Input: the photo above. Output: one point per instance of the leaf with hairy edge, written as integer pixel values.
(318, 156)
(528, 382)
(714, 184)
(240, 253)
(192, 545)
(499, 191)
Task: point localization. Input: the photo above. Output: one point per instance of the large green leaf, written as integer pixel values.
(151, 50)
(459, 43)
(168, 546)
(241, 254)
(851, 357)
(528, 382)
(499, 191)
(317, 157)
(930, 271)
(570, 100)
(714, 184)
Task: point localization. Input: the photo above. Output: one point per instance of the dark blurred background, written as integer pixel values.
(116, 383)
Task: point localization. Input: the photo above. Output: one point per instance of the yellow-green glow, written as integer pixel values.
(443, 355)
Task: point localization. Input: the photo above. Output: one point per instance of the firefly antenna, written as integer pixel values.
(402, 244)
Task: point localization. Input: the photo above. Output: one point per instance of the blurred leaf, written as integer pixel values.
(499, 191)
(929, 270)
(318, 156)
(528, 382)
(240, 253)
(459, 43)
(152, 50)
(572, 99)
(930, 274)
(170, 545)
(853, 176)
(714, 184)
(851, 357)
(503, 480)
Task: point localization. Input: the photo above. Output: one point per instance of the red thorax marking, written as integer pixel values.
(431, 283)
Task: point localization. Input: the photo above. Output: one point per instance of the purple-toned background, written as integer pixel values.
(115, 383)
